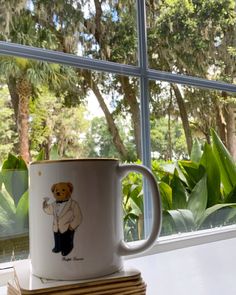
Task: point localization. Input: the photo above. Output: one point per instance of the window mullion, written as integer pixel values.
(12, 49)
(144, 109)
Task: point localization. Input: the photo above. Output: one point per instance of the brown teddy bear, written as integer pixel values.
(66, 217)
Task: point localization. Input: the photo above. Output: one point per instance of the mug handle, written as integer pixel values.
(125, 249)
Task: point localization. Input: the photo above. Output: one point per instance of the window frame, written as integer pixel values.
(145, 74)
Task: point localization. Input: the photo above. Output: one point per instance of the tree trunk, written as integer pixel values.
(230, 127)
(110, 121)
(14, 96)
(15, 102)
(130, 98)
(220, 123)
(24, 91)
(169, 147)
(226, 124)
(184, 117)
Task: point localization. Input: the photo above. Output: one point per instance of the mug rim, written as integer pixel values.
(73, 160)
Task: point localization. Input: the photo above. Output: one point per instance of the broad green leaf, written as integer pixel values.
(231, 217)
(130, 216)
(7, 203)
(1, 180)
(170, 170)
(10, 162)
(180, 173)
(15, 176)
(138, 201)
(231, 197)
(198, 199)
(54, 155)
(5, 222)
(182, 219)
(126, 188)
(179, 193)
(136, 195)
(212, 210)
(225, 162)
(167, 178)
(192, 171)
(13, 162)
(22, 212)
(215, 216)
(196, 152)
(135, 208)
(168, 226)
(166, 195)
(21, 165)
(16, 183)
(208, 160)
(41, 155)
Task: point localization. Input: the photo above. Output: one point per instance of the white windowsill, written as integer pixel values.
(180, 241)
(193, 247)
(204, 269)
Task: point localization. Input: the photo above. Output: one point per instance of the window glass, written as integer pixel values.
(192, 37)
(50, 111)
(193, 155)
(91, 28)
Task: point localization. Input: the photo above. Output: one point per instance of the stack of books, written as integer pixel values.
(123, 283)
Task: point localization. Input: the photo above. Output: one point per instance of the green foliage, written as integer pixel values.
(207, 188)
(189, 37)
(8, 136)
(195, 193)
(99, 141)
(54, 125)
(14, 196)
(196, 152)
(168, 141)
(15, 177)
(226, 163)
(133, 207)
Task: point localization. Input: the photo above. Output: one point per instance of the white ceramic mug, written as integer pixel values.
(76, 225)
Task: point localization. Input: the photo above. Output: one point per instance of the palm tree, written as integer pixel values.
(24, 77)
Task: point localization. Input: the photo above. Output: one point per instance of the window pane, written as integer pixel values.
(193, 155)
(96, 29)
(49, 111)
(195, 38)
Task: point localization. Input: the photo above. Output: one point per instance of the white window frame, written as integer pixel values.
(145, 74)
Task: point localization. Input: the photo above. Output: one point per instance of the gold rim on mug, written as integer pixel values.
(73, 160)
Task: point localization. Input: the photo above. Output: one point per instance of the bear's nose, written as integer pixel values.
(58, 193)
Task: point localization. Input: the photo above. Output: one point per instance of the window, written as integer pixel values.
(140, 80)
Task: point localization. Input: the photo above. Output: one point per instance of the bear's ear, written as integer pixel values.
(70, 185)
(53, 187)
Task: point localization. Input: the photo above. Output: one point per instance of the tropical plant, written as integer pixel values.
(200, 193)
(197, 194)
(14, 196)
(53, 123)
(8, 135)
(133, 207)
(24, 76)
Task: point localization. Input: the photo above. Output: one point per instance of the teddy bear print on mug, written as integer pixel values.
(67, 217)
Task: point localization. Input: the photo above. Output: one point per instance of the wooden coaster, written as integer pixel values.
(119, 288)
(12, 289)
(124, 282)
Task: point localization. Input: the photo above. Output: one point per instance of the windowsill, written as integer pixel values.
(198, 270)
(182, 262)
(180, 241)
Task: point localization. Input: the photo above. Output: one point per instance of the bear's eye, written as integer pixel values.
(63, 189)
